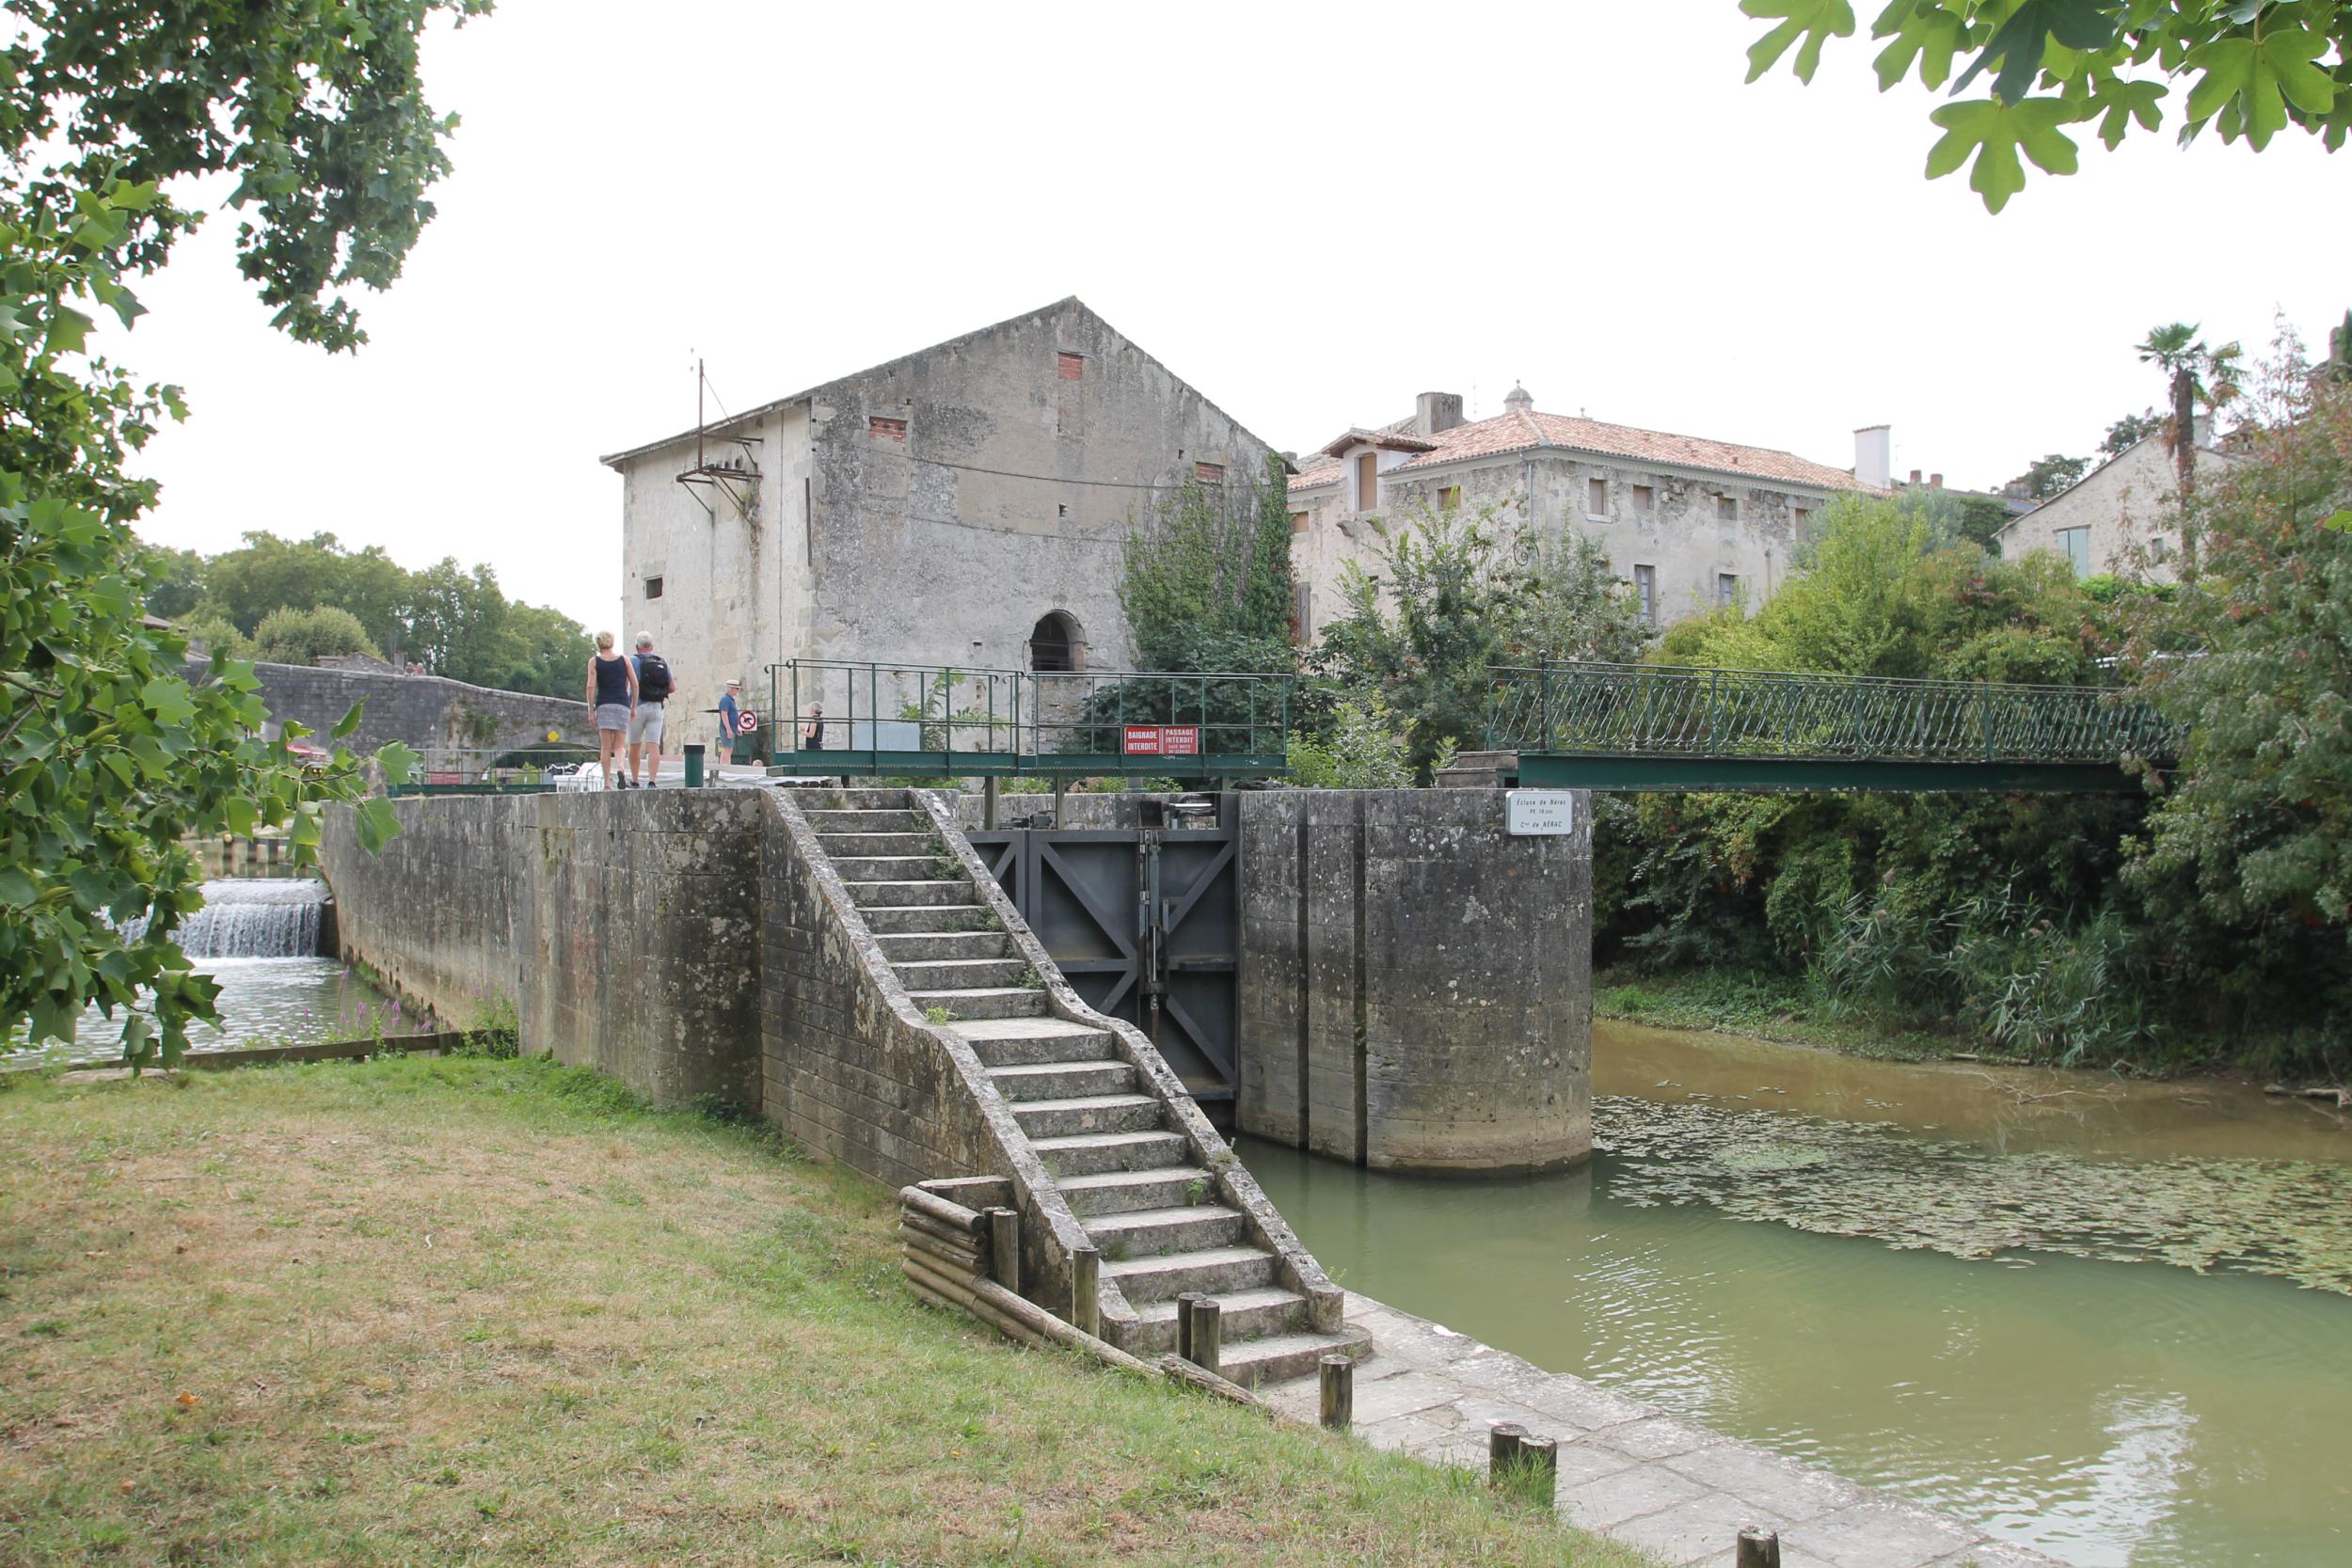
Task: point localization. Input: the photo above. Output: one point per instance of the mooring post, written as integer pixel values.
(1758, 1548)
(1503, 1450)
(1184, 1300)
(1208, 1332)
(1086, 1290)
(1539, 1467)
(1339, 1392)
(1004, 1248)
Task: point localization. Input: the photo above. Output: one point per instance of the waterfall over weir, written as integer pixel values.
(273, 918)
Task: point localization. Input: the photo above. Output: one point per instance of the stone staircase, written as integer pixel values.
(1131, 1177)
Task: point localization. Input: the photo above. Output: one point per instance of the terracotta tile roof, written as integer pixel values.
(1317, 469)
(1389, 438)
(1523, 432)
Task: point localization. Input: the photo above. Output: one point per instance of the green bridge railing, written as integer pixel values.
(948, 721)
(1657, 726)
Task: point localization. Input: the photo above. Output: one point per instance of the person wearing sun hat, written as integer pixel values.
(730, 706)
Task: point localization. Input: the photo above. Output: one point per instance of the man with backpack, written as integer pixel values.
(644, 723)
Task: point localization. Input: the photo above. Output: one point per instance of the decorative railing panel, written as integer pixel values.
(1652, 711)
(940, 719)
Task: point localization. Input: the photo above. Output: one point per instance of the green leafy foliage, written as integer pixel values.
(1364, 749)
(2249, 854)
(109, 754)
(307, 636)
(1206, 578)
(2047, 475)
(1458, 594)
(453, 620)
(2250, 68)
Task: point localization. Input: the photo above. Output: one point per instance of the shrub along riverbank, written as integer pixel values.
(498, 1311)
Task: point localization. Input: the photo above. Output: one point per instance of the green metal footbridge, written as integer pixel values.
(1630, 727)
(1655, 727)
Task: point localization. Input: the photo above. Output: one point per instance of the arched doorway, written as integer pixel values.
(1055, 643)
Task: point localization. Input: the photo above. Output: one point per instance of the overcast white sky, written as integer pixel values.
(1308, 211)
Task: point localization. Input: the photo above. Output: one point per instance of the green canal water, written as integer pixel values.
(2106, 1321)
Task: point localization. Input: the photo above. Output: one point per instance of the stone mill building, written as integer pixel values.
(963, 505)
(1689, 523)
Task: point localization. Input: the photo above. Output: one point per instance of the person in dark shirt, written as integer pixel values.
(611, 693)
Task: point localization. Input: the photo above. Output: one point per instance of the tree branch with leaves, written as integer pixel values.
(2243, 69)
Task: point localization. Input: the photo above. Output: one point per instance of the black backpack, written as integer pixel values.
(653, 678)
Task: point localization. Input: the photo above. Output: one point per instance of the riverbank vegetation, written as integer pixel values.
(498, 1312)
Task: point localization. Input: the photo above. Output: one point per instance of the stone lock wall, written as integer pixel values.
(1416, 983)
(624, 927)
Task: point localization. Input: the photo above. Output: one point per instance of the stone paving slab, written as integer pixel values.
(1628, 1470)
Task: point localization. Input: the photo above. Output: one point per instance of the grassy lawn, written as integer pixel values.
(482, 1312)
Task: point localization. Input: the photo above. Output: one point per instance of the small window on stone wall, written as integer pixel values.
(1596, 498)
(1298, 522)
(1644, 498)
(882, 425)
(1209, 473)
(653, 588)
(1449, 497)
(1726, 509)
(1072, 366)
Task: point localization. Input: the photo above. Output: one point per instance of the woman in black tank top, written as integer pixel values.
(611, 696)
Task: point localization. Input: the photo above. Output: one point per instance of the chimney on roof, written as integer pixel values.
(1935, 482)
(1518, 402)
(1874, 455)
(2200, 430)
(1914, 476)
(1437, 411)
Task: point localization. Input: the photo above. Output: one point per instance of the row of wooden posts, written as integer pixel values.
(960, 1247)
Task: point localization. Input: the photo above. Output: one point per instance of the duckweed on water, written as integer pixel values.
(2286, 1218)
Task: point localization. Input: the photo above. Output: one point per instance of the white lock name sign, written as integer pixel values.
(1539, 813)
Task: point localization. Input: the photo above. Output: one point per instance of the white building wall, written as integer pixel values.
(2131, 506)
(1680, 537)
(735, 587)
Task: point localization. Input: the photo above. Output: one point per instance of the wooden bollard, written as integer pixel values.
(1503, 1450)
(1086, 1290)
(1184, 1300)
(1758, 1548)
(1339, 1392)
(1208, 1332)
(1539, 1467)
(1004, 1248)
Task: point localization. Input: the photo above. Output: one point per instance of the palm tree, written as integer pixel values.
(2200, 375)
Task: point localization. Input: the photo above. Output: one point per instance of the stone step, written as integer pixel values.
(889, 895)
(1094, 1112)
(1062, 1080)
(1119, 1192)
(1188, 1228)
(850, 799)
(1278, 1358)
(983, 1002)
(1251, 1314)
(845, 846)
(908, 947)
(892, 868)
(1029, 1041)
(1072, 1155)
(894, 915)
(1216, 1271)
(959, 974)
(898, 821)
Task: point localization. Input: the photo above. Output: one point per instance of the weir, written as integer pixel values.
(277, 918)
